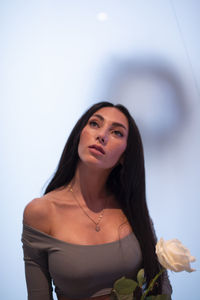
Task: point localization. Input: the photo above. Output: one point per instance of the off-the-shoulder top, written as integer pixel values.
(77, 271)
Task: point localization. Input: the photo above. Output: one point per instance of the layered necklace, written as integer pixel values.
(97, 223)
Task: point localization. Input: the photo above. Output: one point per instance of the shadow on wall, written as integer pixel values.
(154, 94)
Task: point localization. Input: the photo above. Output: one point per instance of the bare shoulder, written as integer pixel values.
(38, 214)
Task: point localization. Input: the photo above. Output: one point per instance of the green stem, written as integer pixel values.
(150, 287)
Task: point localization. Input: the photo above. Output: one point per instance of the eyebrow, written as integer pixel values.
(113, 124)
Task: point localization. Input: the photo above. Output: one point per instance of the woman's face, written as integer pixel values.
(104, 138)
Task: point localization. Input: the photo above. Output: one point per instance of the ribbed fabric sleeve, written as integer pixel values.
(38, 279)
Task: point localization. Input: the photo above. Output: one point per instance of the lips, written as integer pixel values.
(98, 148)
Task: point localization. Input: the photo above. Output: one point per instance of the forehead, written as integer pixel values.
(113, 115)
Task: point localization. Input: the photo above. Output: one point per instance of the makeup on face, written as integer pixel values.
(104, 138)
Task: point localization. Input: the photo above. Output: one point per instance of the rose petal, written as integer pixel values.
(174, 256)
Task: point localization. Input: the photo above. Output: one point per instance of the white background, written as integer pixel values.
(59, 57)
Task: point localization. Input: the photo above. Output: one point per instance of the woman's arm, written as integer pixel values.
(166, 286)
(38, 280)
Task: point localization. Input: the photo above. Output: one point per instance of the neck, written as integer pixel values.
(90, 184)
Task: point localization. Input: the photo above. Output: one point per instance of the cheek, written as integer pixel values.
(118, 152)
(83, 141)
(80, 145)
(122, 147)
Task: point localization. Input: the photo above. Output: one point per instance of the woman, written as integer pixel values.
(92, 225)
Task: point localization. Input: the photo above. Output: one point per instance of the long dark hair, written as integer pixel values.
(126, 181)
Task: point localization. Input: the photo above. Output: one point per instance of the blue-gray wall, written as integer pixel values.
(57, 58)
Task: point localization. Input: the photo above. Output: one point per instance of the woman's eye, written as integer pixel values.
(118, 133)
(93, 124)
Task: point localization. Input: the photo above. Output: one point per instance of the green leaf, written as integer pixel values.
(140, 277)
(125, 286)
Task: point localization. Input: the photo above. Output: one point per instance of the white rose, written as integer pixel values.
(174, 256)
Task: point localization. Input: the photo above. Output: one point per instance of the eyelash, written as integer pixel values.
(91, 123)
(118, 133)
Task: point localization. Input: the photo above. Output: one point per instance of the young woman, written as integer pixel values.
(92, 225)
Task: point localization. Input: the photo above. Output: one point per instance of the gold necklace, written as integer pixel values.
(97, 226)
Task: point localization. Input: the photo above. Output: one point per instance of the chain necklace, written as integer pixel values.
(97, 226)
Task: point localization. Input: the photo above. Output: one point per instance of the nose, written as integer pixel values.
(102, 137)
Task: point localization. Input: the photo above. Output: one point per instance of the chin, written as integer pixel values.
(98, 165)
(95, 161)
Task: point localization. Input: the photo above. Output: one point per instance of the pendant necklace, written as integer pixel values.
(97, 226)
